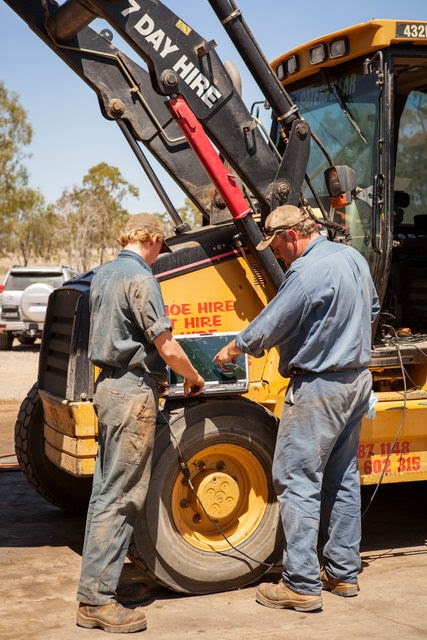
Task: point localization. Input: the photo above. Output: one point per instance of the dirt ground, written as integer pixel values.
(40, 550)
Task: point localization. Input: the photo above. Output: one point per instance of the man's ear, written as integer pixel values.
(161, 238)
(292, 235)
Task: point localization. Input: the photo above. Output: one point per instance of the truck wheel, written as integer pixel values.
(221, 531)
(26, 339)
(6, 341)
(53, 484)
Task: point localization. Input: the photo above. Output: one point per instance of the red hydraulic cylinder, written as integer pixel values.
(211, 162)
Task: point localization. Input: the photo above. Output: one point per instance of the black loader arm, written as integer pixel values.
(186, 83)
(179, 61)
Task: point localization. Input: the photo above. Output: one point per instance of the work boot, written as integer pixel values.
(111, 617)
(279, 596)
(337, 586)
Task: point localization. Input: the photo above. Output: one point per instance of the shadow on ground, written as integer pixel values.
(26, 348)
(395, 519)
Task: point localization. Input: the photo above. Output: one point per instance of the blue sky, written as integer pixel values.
(70, 134)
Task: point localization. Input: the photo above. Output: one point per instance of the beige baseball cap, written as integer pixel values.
(149, 222)
(281, 219)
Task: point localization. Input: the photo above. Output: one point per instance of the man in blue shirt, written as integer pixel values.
(320, 320)
(130, 340)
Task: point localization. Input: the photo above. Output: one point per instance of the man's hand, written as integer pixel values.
(193, 386)
(228, 353)
(174, 356)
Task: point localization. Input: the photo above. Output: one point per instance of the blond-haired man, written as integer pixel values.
(130, 340)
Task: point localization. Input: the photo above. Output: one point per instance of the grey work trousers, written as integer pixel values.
(316, 476)
(126, 407)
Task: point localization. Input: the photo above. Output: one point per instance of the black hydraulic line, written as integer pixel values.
(180, 226)
(240, 34)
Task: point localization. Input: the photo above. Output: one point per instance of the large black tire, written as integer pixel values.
(26, 339)
(6, 341)
(228, 445)
(53, 484)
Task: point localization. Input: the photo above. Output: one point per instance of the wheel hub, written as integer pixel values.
(228, 501)
(217, 491)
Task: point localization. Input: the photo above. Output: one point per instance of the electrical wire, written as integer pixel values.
(183, 467)
(395, 341)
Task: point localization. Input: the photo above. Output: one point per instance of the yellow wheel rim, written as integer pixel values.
(229, 498)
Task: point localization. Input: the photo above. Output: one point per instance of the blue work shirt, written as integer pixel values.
(127, 314)
(320, 318)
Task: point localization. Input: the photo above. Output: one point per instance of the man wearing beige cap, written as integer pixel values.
(320, 320)
(130, 340)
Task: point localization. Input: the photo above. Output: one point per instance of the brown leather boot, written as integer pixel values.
(111, 617)
(338, 587)
(279, 596)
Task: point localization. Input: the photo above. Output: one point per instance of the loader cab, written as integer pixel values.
(364, 93)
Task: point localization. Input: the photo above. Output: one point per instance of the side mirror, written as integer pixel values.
(340, 182)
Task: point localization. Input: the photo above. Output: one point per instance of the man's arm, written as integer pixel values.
(277, 323)
(175, 357)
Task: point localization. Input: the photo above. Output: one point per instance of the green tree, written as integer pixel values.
(106, 189)
(76, 235)
(15, 135)
(92, 215)
(35, 227)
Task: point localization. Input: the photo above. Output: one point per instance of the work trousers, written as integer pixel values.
(126, 407)
(316, 476)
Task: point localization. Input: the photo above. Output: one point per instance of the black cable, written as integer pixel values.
(395, 342)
